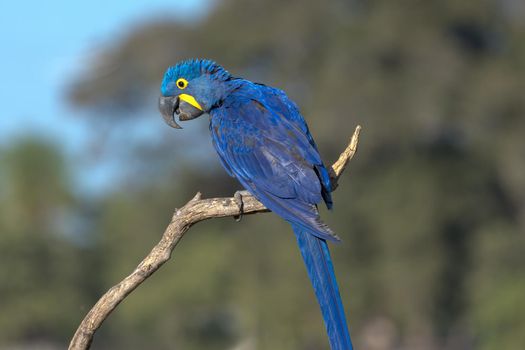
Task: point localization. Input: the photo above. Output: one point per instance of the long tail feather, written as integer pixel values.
(316, 257)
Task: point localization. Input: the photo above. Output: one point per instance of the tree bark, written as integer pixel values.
(196, 210)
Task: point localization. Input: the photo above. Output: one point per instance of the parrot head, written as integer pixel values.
(190, 89)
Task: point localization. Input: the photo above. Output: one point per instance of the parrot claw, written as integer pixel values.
(238, 200)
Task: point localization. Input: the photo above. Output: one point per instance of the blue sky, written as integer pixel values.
(43, 44)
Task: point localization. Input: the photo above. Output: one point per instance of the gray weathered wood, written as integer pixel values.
(196, 210)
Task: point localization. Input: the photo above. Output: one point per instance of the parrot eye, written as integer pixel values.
(182, 83)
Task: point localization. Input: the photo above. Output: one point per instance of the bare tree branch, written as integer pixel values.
(196, 210)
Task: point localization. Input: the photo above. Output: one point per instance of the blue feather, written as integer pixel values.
(321, 272)
(262, 140)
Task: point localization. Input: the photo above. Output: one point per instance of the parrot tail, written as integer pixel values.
(316, 257)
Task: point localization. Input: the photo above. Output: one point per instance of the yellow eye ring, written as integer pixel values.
(182, 83)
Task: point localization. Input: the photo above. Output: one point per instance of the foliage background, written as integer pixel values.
(432, 209)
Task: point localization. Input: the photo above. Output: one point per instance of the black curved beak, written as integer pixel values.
(172, 106)
(167, 107)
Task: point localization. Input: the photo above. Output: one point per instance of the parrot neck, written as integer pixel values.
(225, 89)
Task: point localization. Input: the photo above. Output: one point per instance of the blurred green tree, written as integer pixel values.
(41, 270)
(438, 181)
(432, 216)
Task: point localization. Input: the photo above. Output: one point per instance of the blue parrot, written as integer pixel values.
(263, 141)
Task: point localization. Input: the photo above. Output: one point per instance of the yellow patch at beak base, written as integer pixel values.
(191, 100)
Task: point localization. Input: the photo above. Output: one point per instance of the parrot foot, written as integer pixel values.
(238, 200)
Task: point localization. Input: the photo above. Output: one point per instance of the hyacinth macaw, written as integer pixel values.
(264, 142)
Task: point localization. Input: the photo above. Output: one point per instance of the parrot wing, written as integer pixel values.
(274, 159)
